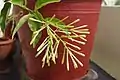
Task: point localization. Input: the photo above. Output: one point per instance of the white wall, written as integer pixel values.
(106, 52)
(1, 5)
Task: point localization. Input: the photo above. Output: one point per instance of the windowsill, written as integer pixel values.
(111, 6)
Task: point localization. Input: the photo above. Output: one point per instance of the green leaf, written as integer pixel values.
(33, 25)
(55, 22)
(22, 4)
(34, 21)
(40, 3)
(20, 23)
(36, 27)
(18, 2)
(36, 38)
(3, 15)
(58, 24)
(38, 15)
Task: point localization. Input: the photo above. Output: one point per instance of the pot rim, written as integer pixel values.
(6, 41)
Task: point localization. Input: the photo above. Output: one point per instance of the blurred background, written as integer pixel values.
(106, 51)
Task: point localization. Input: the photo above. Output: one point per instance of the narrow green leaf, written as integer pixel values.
(35, 39)
(3, 15)
(36, 36)
(20, 23)
(40, 3)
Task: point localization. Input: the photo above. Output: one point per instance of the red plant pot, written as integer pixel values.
(85, 10)
(6, 49)
(6, 46)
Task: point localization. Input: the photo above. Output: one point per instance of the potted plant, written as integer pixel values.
(55, 43)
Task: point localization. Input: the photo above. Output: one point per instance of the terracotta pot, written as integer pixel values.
(6, 43)
(6, 47)
(6, 52)
(88, 12)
